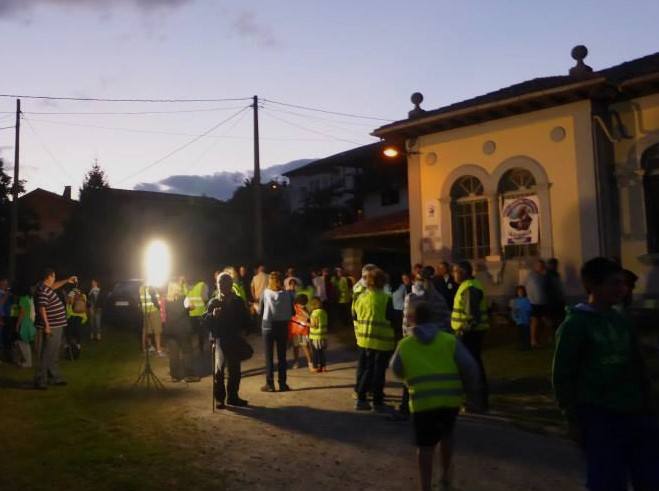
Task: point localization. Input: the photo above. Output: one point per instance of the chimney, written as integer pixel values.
(67, 192)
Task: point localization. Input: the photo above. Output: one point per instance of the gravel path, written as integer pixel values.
(311, 438)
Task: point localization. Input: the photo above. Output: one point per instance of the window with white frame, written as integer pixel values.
(470, 219)
(650, 163)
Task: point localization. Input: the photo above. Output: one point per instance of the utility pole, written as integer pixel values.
(13, 228)
(256, 181)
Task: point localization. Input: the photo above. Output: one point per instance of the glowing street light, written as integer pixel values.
(391, 152)
(157, 262)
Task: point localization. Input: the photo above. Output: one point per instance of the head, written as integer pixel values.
(604, 281)
(339, 272)
(539, 266)
(260, 268)
(315, 303)
(224, 283)
(428, 273)
(95, 283)
(217, 274)
(552, 264)
(275, 281)
(422, 313)
(630, 281)
(325, 272)
(368, 268)
(48, 276)
(443, 269)
(301, 300)
(292, 284)
(290, 272)
(462, 271)
(4, 283)
(405, 279)
(242, 271)
(416, 269)
(376, 279)
(520, 291)
(232, 271)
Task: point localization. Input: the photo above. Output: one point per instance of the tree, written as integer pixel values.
(95, 179)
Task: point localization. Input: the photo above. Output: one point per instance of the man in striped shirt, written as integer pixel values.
(51, 319)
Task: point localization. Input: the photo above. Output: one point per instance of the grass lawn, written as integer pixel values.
(98, 432)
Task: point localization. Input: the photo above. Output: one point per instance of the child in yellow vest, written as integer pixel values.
(318, 334)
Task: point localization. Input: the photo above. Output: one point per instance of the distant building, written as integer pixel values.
(564, 166)
(50, 212)
(369, 192)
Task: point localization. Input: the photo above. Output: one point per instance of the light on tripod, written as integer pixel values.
(156, 263)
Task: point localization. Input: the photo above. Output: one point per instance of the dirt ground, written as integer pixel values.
(312, 438)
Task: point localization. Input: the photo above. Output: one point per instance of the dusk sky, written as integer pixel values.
(362, 57)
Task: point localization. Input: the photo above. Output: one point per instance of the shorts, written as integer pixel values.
(433, 425)
(152, 323)
(538, 311)
(298, 340)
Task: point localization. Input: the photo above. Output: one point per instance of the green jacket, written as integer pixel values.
(598, 362)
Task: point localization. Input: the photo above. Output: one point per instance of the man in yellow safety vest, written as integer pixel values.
(469, 318)
(195, 302)
(438, 371)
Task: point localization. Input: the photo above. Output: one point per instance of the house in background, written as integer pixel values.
(50, 212)
(369, 194)
(564, 166)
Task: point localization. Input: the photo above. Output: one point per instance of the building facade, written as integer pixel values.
(564, 167)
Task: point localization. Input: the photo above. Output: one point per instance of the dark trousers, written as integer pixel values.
(201, 350)
(181, 361)
(276, 336)
(318, 357)
(620, 448)
(405, 401)
(226, 387)
(473, 341)
(371, 372)
(523, 335)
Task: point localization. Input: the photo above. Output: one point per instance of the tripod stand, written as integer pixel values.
(147, 376)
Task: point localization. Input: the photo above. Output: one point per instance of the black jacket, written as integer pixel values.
(233, 318)
(446, 288)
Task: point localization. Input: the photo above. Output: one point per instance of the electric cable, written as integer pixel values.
(181, 147)
(47, 150)
(129, 113)
(101, 99)
(347, 115)
(269, 113)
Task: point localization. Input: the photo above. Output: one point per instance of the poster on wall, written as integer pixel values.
(432, 212)
(520, 221)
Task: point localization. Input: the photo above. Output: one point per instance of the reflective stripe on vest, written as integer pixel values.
(460, 318)
(146, 303)
(372, 329)
(196, 301)
(431, 373)
(318, 327)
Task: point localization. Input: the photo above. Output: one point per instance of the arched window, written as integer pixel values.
(470, 219)
(650, 163)
(518, 183)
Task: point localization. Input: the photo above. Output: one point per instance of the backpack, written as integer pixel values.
(79, 304)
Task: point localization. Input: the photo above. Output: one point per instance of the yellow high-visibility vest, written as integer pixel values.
(196, 300)
(318, 325)
(146, 302)
(372, 329)
(461, 320)
(431, 373)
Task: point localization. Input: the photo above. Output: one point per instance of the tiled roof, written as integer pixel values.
(394, 224)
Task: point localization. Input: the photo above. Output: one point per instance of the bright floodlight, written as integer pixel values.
(391, 152)
(156, 263)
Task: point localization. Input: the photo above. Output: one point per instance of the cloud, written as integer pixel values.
(246, 25)
(220, 185)
(12, 7)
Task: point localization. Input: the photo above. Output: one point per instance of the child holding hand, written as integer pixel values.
(318, 334)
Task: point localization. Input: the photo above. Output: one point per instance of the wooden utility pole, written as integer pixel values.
(256, 182)
(13, 230)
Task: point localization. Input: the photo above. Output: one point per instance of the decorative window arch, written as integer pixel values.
(650, 166)
(469, 218)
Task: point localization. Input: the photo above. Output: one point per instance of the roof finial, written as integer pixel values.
(417, 99)
(579, 53)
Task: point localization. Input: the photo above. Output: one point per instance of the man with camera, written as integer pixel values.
(51, 320)
(226, 316)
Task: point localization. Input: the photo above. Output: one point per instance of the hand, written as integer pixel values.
(47, 331)
(72, 279)
(216, 312)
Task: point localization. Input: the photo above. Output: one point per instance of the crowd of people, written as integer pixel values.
(428, 330)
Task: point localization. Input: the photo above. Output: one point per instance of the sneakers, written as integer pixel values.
(220, 405)
(284, 388)
(363, 406)
(315, 370)
(237, 402)
(161, 354)
(295, 365)
(268, 388)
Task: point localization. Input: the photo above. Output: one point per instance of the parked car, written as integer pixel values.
(122, 306)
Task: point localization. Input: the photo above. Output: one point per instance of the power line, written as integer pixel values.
(8, 127)
(100, 99)
(347, 115)
(127, 113)
(181, 147)
(320, 118)
(47, 150)
(269, 113)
